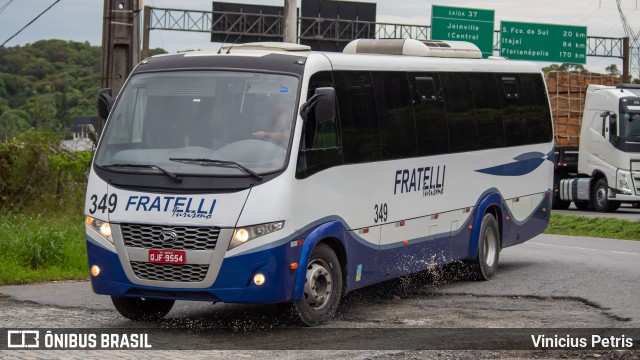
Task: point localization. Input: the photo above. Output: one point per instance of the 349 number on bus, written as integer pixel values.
(381, 213)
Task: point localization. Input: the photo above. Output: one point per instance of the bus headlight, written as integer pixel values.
(244, 234)
(102, 227)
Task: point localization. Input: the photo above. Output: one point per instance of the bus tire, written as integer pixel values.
(142, 308)
(485, 265)
(322, 288)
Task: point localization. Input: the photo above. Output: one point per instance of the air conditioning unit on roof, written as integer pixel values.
(411, 47)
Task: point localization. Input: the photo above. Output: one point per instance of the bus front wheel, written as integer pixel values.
(142, 308)
(322, 287)
(485, 265)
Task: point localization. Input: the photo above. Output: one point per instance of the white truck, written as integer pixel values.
(608, 166)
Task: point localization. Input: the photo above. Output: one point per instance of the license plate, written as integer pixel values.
(167, 256)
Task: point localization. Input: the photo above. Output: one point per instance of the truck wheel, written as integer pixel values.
(142, 308)
(322, 287)
(601, 202)
(485, 265)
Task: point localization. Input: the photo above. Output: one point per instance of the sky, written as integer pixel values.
(81, 20)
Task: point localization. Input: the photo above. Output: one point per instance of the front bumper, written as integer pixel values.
(233, 283)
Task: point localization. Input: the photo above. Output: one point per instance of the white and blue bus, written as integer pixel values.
(269, 173)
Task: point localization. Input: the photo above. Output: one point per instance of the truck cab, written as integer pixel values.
(609, 151)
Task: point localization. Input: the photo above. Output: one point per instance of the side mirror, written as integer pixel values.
(105, 103)
(323, 103)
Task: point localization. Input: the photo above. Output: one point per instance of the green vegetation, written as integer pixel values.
(43, 86)
(46, 84)
(36, 249)
(41, 201)
(40, 177)
(594, 227)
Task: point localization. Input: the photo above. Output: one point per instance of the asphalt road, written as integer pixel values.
(600, 274)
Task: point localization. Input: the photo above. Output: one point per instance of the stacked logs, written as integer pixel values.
(567, 91)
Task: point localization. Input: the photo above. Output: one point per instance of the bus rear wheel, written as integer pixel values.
(485, 265)
(322, 288)
(142, 308)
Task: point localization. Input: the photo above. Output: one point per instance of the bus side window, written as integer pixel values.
(536, 112)
(461, 115)
(359, 125)
(320, 146)
(429, 113)
(515, 127)
(397, 125)
(488, 110)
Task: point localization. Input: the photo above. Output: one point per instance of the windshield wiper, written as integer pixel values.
(214, 162)
(175, 177)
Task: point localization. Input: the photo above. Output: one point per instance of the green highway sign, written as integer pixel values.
(463, 24)
(543, 42)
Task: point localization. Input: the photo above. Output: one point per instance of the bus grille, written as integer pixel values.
(170, 272)
(186, 238)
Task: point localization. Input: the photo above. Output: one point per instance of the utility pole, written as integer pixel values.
(625, 60)
(290, 28)
(120, 44)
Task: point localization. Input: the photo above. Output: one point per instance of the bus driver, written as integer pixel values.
(279, 134)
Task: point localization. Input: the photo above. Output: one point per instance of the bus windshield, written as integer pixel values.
(217, 123)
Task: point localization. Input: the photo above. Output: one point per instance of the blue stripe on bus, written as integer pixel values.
(524, 164)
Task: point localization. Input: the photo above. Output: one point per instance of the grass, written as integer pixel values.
(34, 248)
(608, 228)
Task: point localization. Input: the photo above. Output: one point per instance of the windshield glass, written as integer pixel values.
(205, 119)
(630, 124)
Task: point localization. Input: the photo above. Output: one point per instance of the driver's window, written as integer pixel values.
(320, 145)
(319, 135)
(598, 124)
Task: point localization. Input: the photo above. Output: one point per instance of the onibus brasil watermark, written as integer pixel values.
(37, 339)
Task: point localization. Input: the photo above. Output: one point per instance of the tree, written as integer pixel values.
(574, 67)
(613, 70)
(12, 123)
(45, 84)
(42, 110)
(565, 67)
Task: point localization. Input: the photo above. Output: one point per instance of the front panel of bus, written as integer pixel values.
(193, 169)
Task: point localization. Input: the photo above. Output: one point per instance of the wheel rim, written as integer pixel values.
(601, 196)
(490, 247)
(318, 284)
